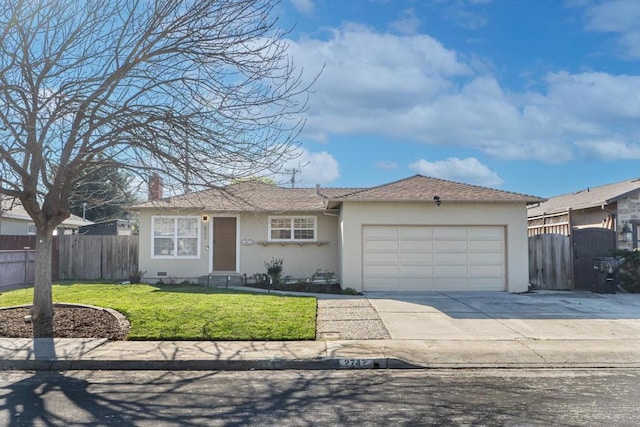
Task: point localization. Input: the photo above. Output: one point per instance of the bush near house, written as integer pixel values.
(629, 269)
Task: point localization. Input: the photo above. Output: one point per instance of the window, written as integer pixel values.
(175, 236)
(31, 229)
(292, 228)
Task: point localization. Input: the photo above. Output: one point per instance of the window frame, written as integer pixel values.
(175, 236)
(292, 229)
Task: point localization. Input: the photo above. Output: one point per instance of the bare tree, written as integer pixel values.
(201, 91)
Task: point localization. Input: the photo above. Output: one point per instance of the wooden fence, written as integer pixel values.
(16, 267)
(17, 242)
(97, 257)
(73, 257)
(550, 261)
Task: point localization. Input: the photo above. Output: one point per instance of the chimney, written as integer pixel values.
(155, 187)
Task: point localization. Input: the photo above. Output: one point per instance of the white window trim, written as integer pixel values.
(29, 232)
(175, 241)
(292, 218)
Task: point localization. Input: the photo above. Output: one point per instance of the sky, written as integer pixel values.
(540, 97)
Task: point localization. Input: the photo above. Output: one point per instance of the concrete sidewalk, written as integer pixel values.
(94, 354)
(425, 330)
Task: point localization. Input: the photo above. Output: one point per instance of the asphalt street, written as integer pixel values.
(299, 398)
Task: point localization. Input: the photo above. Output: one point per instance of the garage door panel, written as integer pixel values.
(383, 271)
(381, 258)
(491, 271)
(415, 233)
(416, 270)
(382, 245)
(451, 271)
(384, 232)
(409, 258)
(459, 258)
(416, 284)
(445, 246)
(416, 245)
(382, 284)
(485, 232)
(486, 258)
(451, 284)
(486, 246)
(449, 233)
(406, 258)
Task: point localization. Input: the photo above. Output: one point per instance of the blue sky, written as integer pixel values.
(535, 96)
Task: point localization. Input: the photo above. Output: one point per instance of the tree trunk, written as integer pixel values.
(42, 310)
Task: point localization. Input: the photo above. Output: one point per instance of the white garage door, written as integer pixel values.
(439, 258)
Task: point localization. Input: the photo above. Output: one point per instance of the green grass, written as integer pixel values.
(191, 312)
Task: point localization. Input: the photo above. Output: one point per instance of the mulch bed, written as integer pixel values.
(68, 322)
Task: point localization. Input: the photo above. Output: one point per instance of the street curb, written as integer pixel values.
(278, 364)
(200, 365)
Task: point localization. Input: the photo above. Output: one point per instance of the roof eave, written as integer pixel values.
(528, 201)
(622, 196)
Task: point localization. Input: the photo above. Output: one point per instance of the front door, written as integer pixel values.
(224, 244)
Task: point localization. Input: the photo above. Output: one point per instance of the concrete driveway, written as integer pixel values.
(482, 316)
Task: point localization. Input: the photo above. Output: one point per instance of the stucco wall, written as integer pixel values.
(512, 216)
(176, 268)
(300, 261)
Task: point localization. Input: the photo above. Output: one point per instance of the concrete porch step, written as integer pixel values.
(221, 280)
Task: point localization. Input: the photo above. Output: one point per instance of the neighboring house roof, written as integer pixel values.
(587, 198)
(258, 196)
(11, 208)
(422, 188)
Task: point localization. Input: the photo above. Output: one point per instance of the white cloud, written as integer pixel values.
(412, 88)
(610, 149)
(315, 168)
(466, 13)
(468, 170)
(621, 17)
(304, 7)
(408, 22)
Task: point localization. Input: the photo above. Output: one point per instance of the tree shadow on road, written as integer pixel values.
(303, 398)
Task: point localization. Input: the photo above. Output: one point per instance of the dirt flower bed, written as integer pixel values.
(68, 322)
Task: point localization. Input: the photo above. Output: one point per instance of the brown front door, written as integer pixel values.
(224, 244)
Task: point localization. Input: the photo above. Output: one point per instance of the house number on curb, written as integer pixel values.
(356, 363)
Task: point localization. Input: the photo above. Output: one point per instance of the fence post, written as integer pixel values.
(26, 264)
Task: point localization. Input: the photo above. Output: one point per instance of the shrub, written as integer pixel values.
(629, 269)
(136, 276)
(274, 270)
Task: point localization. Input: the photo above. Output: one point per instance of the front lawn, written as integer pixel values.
(191, 312)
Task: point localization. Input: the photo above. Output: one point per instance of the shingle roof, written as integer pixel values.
(11, 208)
(258, 196)
(587, 198)
(250, 196)
(422, 188)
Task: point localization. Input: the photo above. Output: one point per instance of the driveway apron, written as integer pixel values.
(503, 316)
